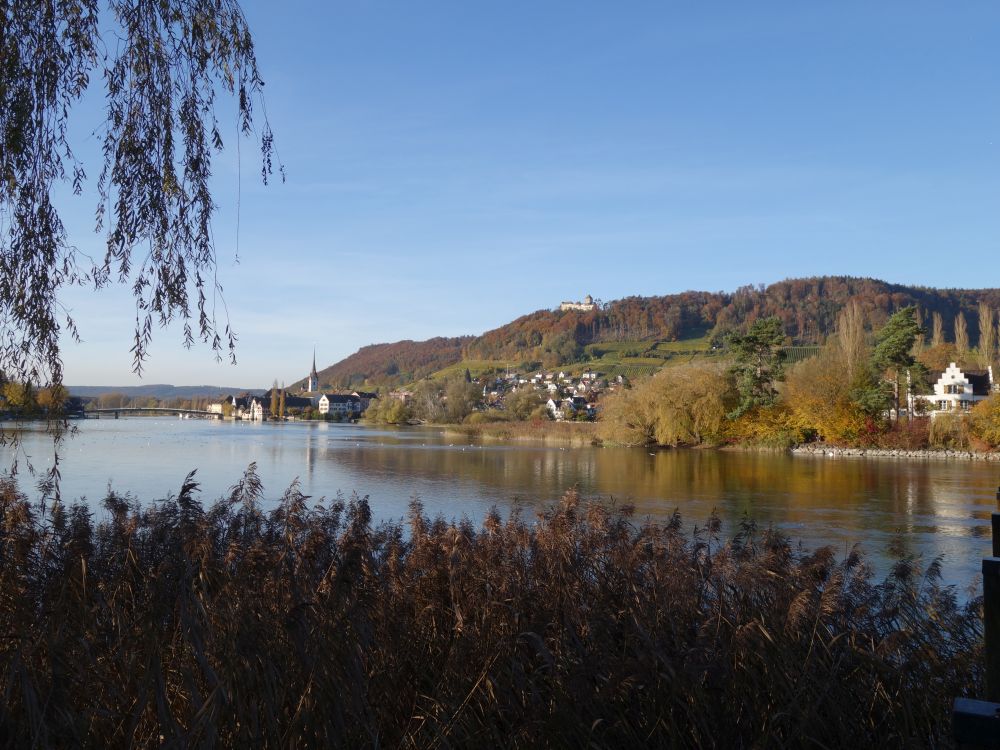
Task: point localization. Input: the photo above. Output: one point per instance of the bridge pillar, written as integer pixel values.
(116, 415)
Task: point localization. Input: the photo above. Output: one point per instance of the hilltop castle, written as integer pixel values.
(586, 306)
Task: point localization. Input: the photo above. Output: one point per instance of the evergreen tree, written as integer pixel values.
(274, 399)
(759, 364)
(281, 403)
(893, 345)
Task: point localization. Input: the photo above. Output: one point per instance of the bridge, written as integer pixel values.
(135, 410)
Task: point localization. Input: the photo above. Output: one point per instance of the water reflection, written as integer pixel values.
(939, 507)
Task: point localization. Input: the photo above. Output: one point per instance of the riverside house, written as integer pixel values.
(956, 390)
(336, 403)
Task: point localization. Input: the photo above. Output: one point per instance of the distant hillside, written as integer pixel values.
(388, 364)
(808, 308)
(158, 390)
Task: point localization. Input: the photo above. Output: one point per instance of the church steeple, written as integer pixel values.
(313, 384)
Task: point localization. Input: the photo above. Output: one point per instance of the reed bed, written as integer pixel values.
(577, 434)
(173, 624)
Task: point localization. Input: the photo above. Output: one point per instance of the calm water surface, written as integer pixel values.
(937, 507)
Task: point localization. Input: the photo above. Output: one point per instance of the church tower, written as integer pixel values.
(313, 384)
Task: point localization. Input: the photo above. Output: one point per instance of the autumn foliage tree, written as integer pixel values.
(821, 394)
(684, 405)
(985, 420)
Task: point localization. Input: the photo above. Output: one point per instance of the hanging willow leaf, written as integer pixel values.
(160, 66)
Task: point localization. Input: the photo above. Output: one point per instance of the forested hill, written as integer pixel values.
(807, 307)
(400, 362)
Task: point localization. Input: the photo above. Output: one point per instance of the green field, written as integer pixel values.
(632, 372)
(685, 346)
(795, 354)
(637, 358)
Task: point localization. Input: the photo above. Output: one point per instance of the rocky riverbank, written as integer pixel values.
(820, 449)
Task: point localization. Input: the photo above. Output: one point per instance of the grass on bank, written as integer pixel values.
(544, 431)
(307, 625)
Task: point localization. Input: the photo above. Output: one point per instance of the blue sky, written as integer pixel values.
(452, 165)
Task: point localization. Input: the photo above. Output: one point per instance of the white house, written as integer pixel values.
(257, 410)
(957, 390)
(335, 403)
(240, 406)
(556, 408)
(567, 408)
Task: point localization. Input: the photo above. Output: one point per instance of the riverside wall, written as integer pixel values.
(819, 449)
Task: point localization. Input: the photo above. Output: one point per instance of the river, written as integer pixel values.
(935, 507)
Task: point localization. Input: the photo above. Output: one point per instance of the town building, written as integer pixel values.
(366, 398)
(568, 408)
(556, 408)
(256, 411)
(343, 404)
(239, 406)
(312, 382)
(957, 390)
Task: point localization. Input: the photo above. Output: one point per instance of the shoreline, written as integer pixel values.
(584, 434)
(832, 451)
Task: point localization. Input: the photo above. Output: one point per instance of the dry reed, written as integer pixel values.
(175, 625)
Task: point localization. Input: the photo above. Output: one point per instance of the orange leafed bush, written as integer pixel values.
(985, 421)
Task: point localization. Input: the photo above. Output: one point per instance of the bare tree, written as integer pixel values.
(987, 335)
(961, 335)
(937, 336)
(851, 337)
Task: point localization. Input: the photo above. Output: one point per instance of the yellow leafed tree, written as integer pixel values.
(684, 405)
